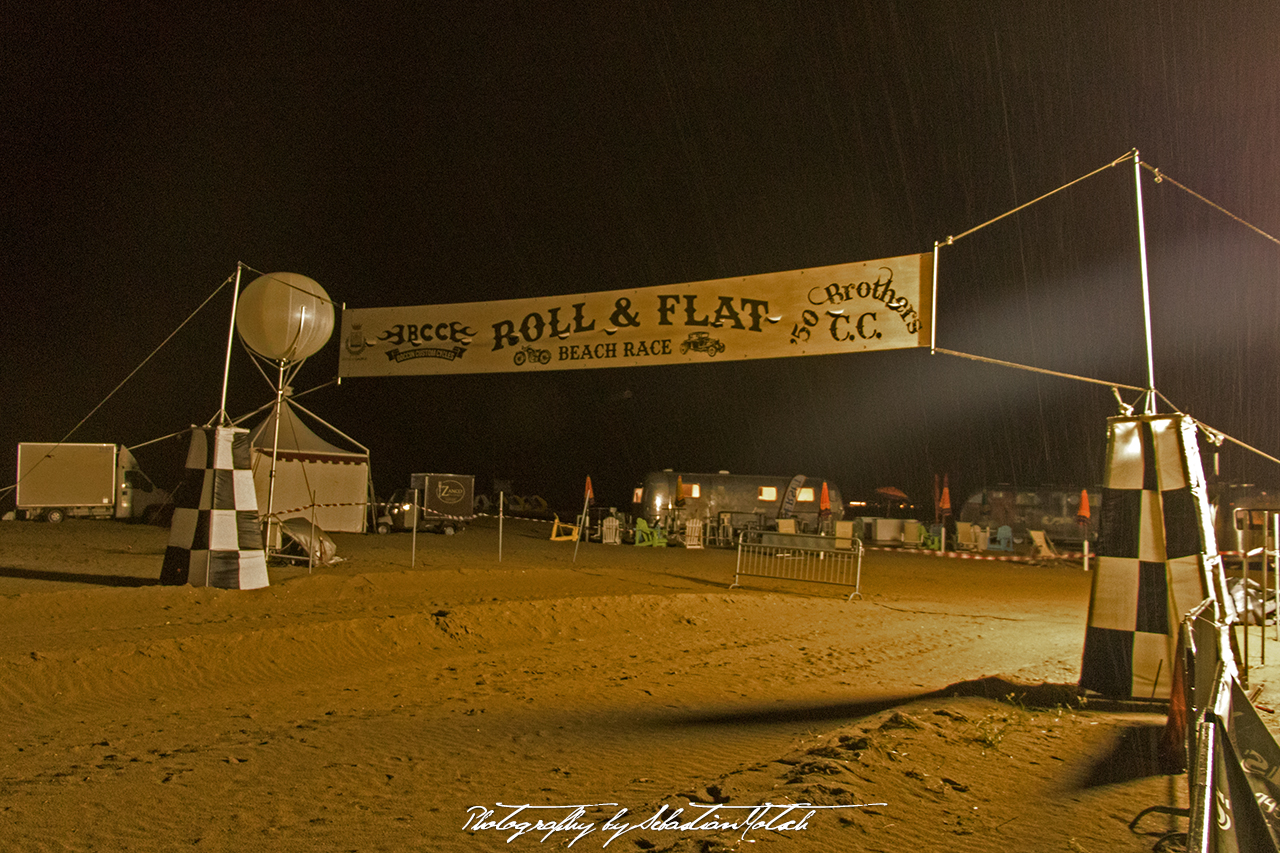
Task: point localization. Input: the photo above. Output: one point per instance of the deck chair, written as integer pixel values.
(561, 532)
(964, 535)
(1004, 539)
(654, 537)
(1041, 544)
(786, 525)
(693, 533)
(844, 534)
(912, 533)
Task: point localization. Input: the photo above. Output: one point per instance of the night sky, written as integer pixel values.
(422, 153)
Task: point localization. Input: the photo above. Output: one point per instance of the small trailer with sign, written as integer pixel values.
(445, 503)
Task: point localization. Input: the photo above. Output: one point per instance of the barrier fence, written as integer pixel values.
(1233, 760)
(801, 557)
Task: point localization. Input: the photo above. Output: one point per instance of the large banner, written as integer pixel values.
(870, 305)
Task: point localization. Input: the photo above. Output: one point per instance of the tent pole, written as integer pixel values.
(231, 337)
(1146, 292)
(413, 559)
(275, 451)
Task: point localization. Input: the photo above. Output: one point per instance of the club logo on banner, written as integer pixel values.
(868, 305)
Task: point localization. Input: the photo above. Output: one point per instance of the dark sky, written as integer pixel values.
(408, 154)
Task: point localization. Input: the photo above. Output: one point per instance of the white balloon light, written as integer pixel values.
(284, 316)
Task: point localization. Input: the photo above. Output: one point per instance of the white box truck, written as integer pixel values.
(83, 480)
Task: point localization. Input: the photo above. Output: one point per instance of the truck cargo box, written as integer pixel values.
(66, 475)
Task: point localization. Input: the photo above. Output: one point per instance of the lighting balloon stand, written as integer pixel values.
(283, 318)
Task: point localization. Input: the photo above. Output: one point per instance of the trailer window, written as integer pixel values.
(637, 496)
(805, 494)
(768, 493)
(690, 490)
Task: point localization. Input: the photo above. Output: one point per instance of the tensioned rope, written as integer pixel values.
(1023, 206)
(1215, 435)
(1058, 373)
(133, 372)
(1161, 177)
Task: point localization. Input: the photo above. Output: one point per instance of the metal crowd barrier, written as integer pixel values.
(807, 557)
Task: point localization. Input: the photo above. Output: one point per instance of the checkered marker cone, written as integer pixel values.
(1157, 556)
(215, 538)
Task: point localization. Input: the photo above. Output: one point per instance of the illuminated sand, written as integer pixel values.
(374, 707)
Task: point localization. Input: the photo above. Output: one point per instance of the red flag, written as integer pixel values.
(945, 502)
(824, 501)
(1082, 514)
(590, 495)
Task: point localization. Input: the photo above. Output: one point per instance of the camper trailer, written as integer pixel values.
(738, 501)
(1053, 510)
(56, 481)
(1240, 516)
(1238, 513)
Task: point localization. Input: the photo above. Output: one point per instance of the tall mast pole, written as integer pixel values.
(222, 417)
(1146, 291)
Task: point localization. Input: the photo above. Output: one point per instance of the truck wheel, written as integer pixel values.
(54, 516)
(383, 528)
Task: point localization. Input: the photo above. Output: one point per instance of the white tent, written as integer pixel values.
(306, 466)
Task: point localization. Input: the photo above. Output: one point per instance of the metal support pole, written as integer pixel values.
(501, 495)
(582, 527)
(314, 545)
(933, 303)
(1146, 293)
(223, 420)
(1244, 621)
(275, 451)
(1201, 793)
(413, 560)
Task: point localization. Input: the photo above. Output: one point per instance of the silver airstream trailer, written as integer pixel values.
(734, 501)
(1238, 510)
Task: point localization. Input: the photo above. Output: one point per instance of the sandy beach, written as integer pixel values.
(399, 703)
